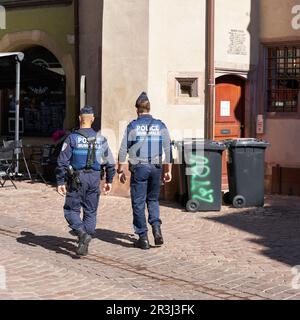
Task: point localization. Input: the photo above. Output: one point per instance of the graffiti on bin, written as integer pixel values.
(200, 182)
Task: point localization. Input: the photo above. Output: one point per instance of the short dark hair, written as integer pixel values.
(87, 110)
(143, 107)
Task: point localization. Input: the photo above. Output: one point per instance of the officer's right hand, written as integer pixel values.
(122, 178)
(107, 188)
(62, 190)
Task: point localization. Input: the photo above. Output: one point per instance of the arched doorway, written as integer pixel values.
(230, 113)
(43, 97)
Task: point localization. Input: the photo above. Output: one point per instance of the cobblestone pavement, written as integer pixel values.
(233, 254)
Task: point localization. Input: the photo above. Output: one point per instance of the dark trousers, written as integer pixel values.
(87, 198)
(145, 188)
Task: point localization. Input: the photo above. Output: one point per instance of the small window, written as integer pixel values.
(187, 87)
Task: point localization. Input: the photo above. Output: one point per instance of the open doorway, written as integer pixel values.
(42, 99)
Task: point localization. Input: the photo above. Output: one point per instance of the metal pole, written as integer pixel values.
(210, 109)
(82, 92)
(17, 115)
(77, 53)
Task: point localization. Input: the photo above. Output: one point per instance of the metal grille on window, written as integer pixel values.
(283, 79)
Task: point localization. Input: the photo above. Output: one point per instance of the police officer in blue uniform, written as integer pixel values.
(146, 140)
(84, 154)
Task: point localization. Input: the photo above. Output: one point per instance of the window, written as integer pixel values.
(187, 87)
(283, 79)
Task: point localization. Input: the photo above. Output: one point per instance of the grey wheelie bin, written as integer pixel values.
(246, 173)
(201, 173)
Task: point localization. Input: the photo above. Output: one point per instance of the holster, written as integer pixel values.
(102, 173)
(132, 167)
(74, 181)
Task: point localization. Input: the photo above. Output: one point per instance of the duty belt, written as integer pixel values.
(87, 170)
(157, 160)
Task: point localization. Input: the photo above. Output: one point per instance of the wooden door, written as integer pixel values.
(229, 114)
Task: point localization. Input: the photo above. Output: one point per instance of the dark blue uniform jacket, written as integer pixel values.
(146, 148)
(75, 153)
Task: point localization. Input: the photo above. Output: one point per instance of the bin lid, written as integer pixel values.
(195, 144)
(246, 142)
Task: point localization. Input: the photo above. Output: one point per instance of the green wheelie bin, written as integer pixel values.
(201, 173)
(246, 172)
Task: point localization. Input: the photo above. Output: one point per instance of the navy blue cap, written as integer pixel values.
(142, 98)
(87, 110)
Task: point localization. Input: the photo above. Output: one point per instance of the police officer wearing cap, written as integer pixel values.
(84, 153)
(146, 140)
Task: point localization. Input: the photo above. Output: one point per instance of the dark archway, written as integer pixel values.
(43, 97)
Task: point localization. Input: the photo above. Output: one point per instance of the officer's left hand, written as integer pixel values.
(107, 188)
(167, 177)
(62, 190)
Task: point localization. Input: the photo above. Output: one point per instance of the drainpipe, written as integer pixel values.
(77, 55)
(210, 69)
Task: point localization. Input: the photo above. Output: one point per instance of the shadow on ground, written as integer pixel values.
(57, 244)
(172, 205)
(277, 228)
(114, 237)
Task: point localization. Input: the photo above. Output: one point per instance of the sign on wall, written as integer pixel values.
(296, 17)
(237, 42)
(260, 124)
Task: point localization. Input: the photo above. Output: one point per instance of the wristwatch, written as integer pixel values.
(120, 172)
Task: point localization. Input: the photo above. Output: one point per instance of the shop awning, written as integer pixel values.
(31, 74)
(18, 55)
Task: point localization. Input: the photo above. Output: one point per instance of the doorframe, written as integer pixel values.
(243, 76)
(250, 98)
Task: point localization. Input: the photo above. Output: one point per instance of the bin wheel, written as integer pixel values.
(227, 198)
(239, 202)
(193, 206)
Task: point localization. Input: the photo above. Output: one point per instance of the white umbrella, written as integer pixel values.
(19, 58)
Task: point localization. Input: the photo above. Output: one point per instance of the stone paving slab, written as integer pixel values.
(233, 254)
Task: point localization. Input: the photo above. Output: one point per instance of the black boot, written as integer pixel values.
(142, 243)
(73, 233)
(158, 238)
(84, 240)
(77, 233)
